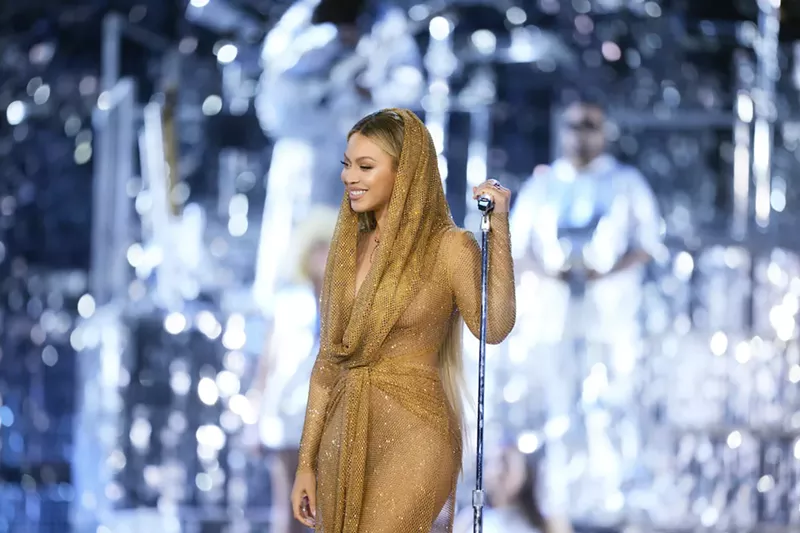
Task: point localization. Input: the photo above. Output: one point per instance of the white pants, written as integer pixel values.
(584, 386)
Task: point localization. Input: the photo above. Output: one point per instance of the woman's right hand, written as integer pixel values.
(304, 498)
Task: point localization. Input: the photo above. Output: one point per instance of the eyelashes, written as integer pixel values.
(365, 168)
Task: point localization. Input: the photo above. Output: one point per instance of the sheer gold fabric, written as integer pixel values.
(379, 433)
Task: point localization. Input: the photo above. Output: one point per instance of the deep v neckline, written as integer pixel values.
(356, 287)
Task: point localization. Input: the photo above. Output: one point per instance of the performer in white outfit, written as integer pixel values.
(512, 491)
(327, 63)
(586, 227)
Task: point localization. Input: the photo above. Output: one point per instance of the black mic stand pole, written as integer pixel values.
(485, 205)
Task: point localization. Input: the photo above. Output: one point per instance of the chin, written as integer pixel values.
(363, 205)
(360, 207)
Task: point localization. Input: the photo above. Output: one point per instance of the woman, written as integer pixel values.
(511, 490)
(381, 445)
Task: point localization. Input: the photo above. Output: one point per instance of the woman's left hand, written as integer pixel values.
(499, 194)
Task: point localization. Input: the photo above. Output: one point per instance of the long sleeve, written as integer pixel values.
(464, 273)
(404, 84)
(523, 220)
(397, 61)
(296, 57)
(290, 105)
(645, 216)
(323, 377)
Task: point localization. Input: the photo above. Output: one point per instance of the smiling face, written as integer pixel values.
(368, 175)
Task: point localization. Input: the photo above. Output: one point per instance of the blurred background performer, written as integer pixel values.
(512, 493)
(587, 226)
(326, 64)
(280, 389)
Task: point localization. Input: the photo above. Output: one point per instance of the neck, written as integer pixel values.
(581, 163)
(380, 218)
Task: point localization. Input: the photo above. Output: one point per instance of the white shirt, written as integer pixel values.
(605, 210)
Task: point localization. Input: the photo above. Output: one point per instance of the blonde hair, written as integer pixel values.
(386, 129)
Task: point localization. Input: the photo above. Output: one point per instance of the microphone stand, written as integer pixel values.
(485, 206)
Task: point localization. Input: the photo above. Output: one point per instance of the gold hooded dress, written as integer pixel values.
(379, 432)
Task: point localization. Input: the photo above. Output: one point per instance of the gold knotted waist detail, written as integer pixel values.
(413, 385)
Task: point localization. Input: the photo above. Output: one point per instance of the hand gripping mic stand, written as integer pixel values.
(485, 205)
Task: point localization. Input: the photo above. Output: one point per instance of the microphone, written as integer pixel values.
(485, 204)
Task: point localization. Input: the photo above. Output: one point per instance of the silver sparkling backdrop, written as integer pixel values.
(708, 436)
(45, 145)
(706, 423)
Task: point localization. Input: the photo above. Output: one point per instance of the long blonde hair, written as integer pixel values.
(451, 361)
(386, 129)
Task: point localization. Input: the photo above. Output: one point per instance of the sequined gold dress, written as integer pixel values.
(379, 432)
